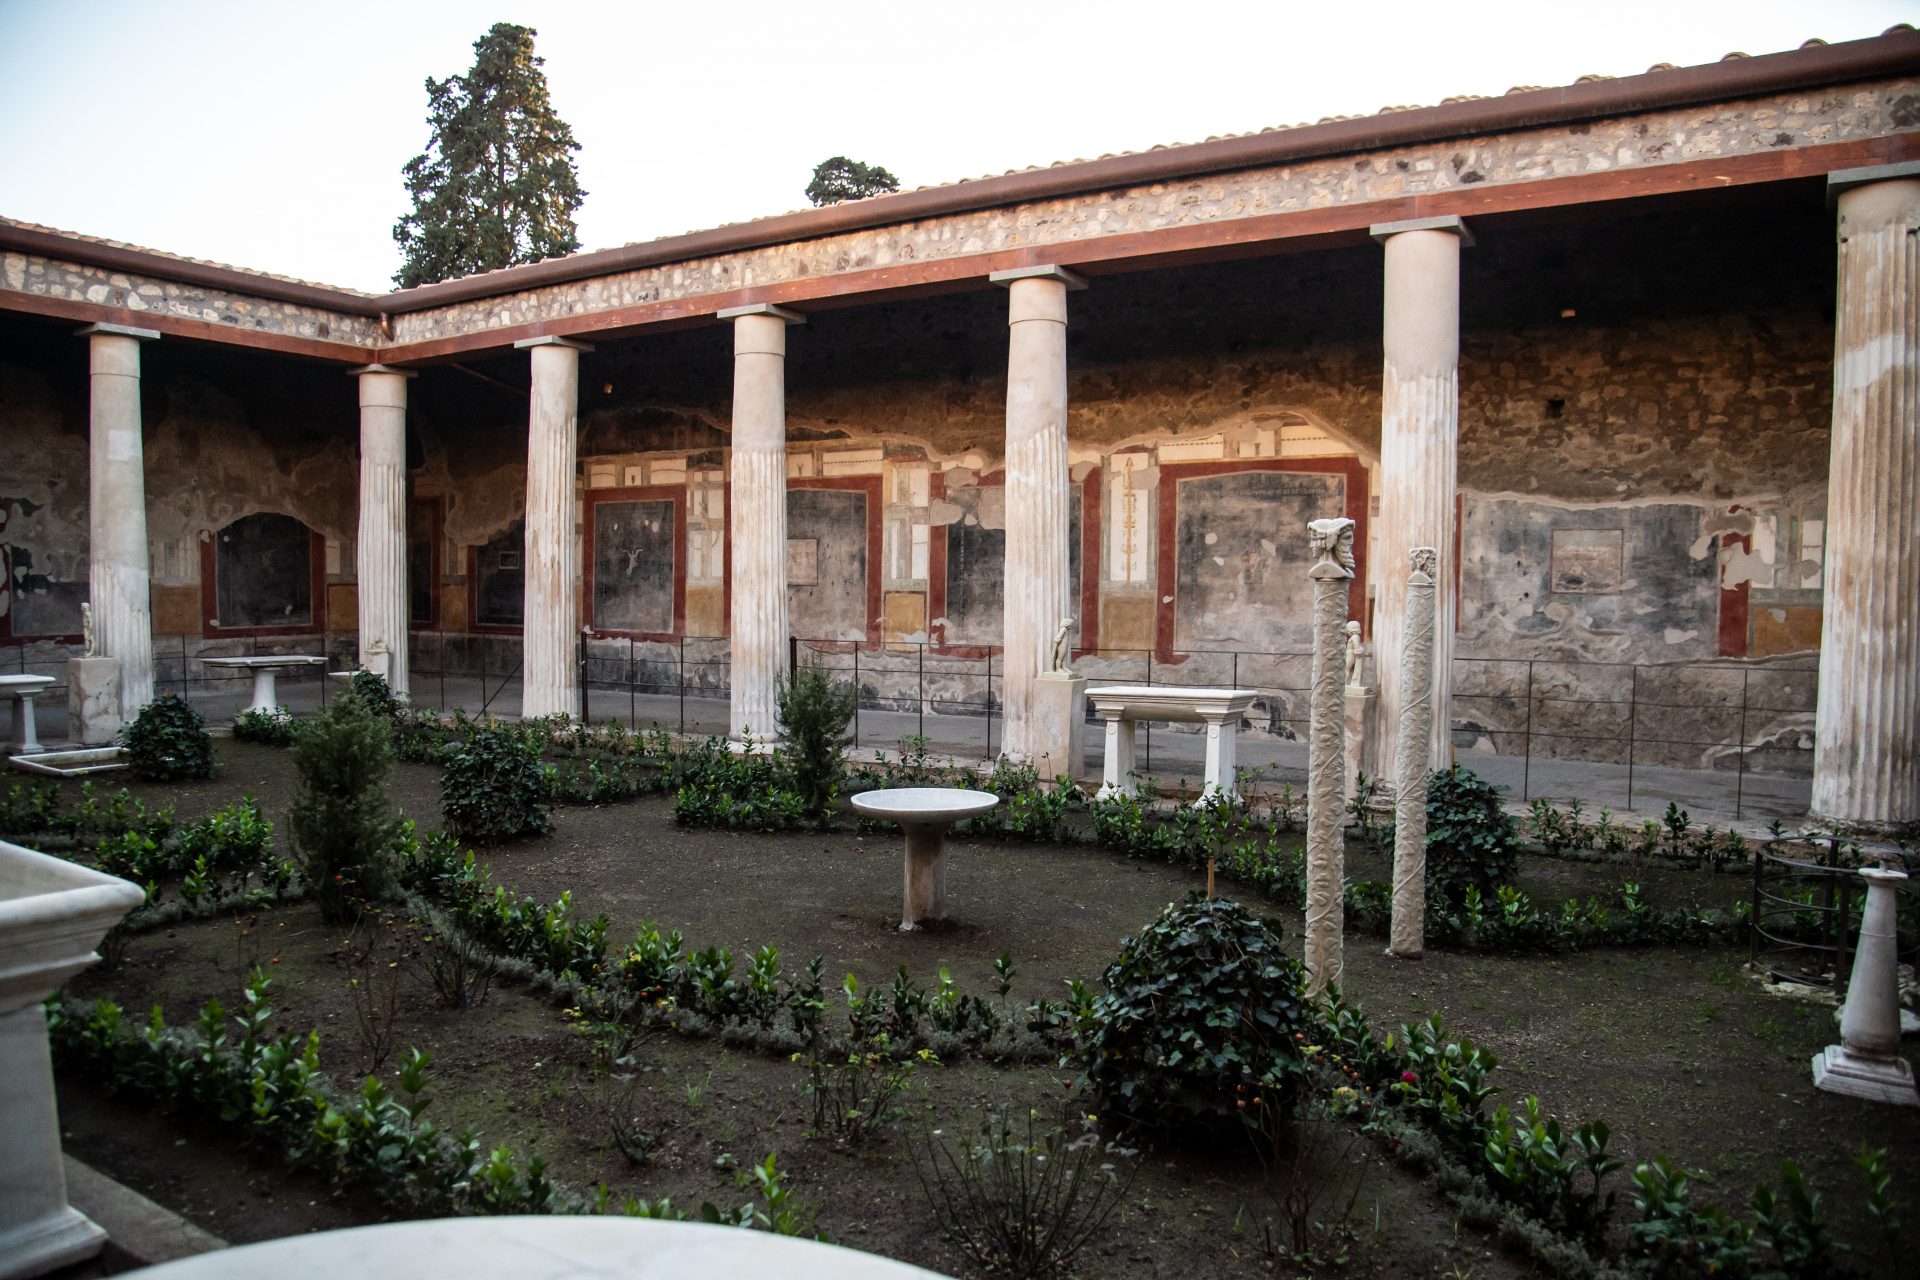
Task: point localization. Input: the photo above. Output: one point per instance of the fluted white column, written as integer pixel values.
(118, 571)
(1866, 762)
(1037, 588)
(758, 519)
(1419, 437)
(382, 559)
(550, 624)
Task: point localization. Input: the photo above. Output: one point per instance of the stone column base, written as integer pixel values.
(47, 1244)
(1877, 1080)
(1360, 702)
(93, 700)
(1060, 724)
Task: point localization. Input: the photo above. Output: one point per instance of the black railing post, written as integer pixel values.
(585, 717)
(923, 691)
(1526, 763)
(856, 695)
(1740, 764)
(683, 684)
(1633, 715)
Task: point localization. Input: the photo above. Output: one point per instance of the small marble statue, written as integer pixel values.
(90, 642)
(1353, 653)
(1062, 649)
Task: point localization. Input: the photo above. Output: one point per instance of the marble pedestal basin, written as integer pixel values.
(924, 813)
(52, 914)
(265, 696)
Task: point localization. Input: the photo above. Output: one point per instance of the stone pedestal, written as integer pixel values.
(52, 913)
(550, 625)
(22, 690)
(758, 516)
(1360, 701)
(1038, 589)
(1332, 575)
(1866, 756)
(1419, 433)
(1867, 1062)
(118, 570)
(382, 554)
(93, 700)
(1060, 717)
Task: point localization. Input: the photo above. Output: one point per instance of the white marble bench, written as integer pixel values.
(264, 666)
(25, 737)
(1122, 706)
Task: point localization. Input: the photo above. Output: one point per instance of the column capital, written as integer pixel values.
(760, 309)
(119, 331)
(1846, 179)
(1385, 231)
(1046, 272)
(552, 340)
(397, 372)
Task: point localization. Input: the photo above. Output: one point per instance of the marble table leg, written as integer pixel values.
(1222, 761)
(26, 738)
(924, 895)
(265, 697)
(1117, 770)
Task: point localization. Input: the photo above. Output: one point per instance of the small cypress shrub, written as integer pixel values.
(492, 786)
(813, 715)
(168, 742)
(342, 825)
(1471, 842)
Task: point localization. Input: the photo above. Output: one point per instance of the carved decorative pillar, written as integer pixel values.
(118, 572)
(1332, 575)
(550, 622)
(1419, 435)
(1408, 939)
(1038, 589)
(759, 516)
(382, 556)
(1866, 761)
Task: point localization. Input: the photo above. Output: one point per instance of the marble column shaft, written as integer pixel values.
(550, 623)
(1866, 764)
(758, 517)
(1408, 934)
(1326, 769)
(118, 572)
(381, 561)
(1419, 436)
(1038, 590)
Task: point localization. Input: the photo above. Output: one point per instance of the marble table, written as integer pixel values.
(1123, 705)
(540, 1248)
(264, 668)
(23, 688)
(924, 813)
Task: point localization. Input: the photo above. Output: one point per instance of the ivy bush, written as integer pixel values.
(1471, 842)
(343, 826)
(1203, 1011)
(168, 742)
(813, 715)
(374, 694)
(492, 786)
(268, 728)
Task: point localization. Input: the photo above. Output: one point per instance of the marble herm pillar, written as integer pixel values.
(1409, 931)
(1419, 437)
(1332, 575)
(118, 571)
(1866, 758)
(1038, 590)
(382, 554)
(550, 624)
(759, 516)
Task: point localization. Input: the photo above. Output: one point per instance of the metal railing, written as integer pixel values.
(1806, 915)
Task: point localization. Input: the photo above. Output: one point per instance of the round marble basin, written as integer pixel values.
(924, 805)
(924, 814)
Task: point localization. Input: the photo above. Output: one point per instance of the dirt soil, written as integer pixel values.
(1677, 1049)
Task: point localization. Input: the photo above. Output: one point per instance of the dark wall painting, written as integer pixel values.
(633, 560)
(827, 564)
(500, 578)
(1241, 558)
(976, 572)
(263, 566)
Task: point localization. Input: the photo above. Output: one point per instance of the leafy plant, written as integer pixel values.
(341, 822)
(855, 1094)
(813, 716)
(372, 690)
(1020, 1200)
(460, 969)
(491, 787)
(1470, 839)
(1200, 1003)
(168, 742)
(269, 728)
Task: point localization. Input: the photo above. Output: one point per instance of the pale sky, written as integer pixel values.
(271, 135)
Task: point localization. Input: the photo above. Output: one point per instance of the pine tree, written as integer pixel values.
(496, 185)
(839, 178)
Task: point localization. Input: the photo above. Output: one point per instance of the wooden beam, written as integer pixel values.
(182, 327)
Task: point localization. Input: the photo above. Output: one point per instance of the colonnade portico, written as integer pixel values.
(118, 567)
